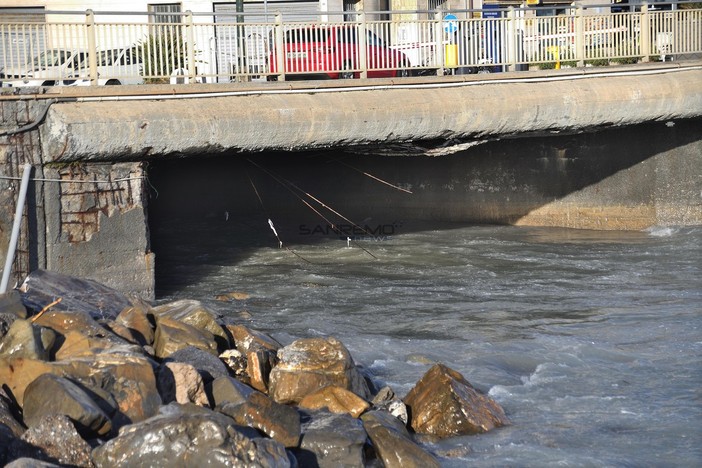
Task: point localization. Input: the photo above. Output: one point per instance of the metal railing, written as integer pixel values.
(89, 48)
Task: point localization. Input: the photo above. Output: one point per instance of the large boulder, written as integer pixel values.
(129, 379)
(229, 390)
(331, 440)
(24, 340)
(186, 437)
(196, 315)
(307, 365)
(182, 383)
(16, 373)
(207, 364)
(43, 287)
(51, 394)
(246, 339)
(336, 400)
(11, 308)
(393, 443)
(138, 320)
(7, 414)
(443, 403)
(277, 421)
(173, 335)
(57, 437)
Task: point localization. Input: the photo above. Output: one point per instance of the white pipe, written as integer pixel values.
(10, 258)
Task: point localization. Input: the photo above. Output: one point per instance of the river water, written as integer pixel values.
(591, 341)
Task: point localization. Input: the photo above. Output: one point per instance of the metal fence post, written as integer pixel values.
(92, 52)
(438, 44)
(580, 35)
(279, 46)
(512, 45)
(645, 33)
(190, 46)
(362, 42)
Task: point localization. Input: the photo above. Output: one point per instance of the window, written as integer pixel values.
(164, 13)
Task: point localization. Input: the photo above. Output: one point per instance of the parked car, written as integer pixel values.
(46, 69)
(114, 67)
(332, 52)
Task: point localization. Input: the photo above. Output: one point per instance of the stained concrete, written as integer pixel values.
(87, 220)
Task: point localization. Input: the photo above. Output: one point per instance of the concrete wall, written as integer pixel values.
(89, 218)
(286, 116)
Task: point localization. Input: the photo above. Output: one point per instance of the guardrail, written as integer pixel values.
(97, 48)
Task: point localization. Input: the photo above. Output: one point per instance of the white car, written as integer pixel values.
(114, 67)
(46, 69)
(71, 68)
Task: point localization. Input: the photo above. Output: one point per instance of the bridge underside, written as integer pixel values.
(618, 152)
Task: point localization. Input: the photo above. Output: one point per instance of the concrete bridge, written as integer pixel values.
(615, 148)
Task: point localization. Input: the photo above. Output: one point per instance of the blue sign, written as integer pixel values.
(450, 24)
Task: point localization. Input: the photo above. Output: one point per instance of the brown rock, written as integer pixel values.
(258, 367)
(129, 379)
(17, 373)
(246, 339)
(308, 365)
(393, 444)
(136, 319)
(336, 400)
(23, 340)
(82, 335)
(173, 335)
(196, 315)
(280, 422)
(57, 437)
(182, 383)
(51, 394)
(444, 404)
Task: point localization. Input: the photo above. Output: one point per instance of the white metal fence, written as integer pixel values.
(89, 48)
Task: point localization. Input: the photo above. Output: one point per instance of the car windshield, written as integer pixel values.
(108, 57)
(50, 58)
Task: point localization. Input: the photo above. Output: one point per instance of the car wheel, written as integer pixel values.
(271, 78)
(112, 83)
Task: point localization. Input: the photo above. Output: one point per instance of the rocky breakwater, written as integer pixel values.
(91, 377)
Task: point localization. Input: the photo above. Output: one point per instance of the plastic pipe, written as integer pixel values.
(10, 258)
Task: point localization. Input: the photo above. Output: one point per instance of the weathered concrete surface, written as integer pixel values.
(89, 219)
(268, 118)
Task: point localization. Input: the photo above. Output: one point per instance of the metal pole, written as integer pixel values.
(10, 258)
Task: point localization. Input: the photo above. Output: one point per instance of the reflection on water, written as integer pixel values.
(590, 340)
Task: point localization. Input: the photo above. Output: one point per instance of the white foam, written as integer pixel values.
(661, 231)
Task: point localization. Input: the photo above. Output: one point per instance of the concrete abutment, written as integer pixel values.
(87, 213)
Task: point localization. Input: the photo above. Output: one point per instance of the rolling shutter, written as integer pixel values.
(19, 44)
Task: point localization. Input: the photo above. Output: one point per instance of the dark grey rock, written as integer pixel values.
(7, 415)
(189, 436)
(209, 366)
(331, 440)
(11, 303)
(51, 394)
(42, 287)
(30, 463)
(393, 443)
(57, 437)
(229, 390)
